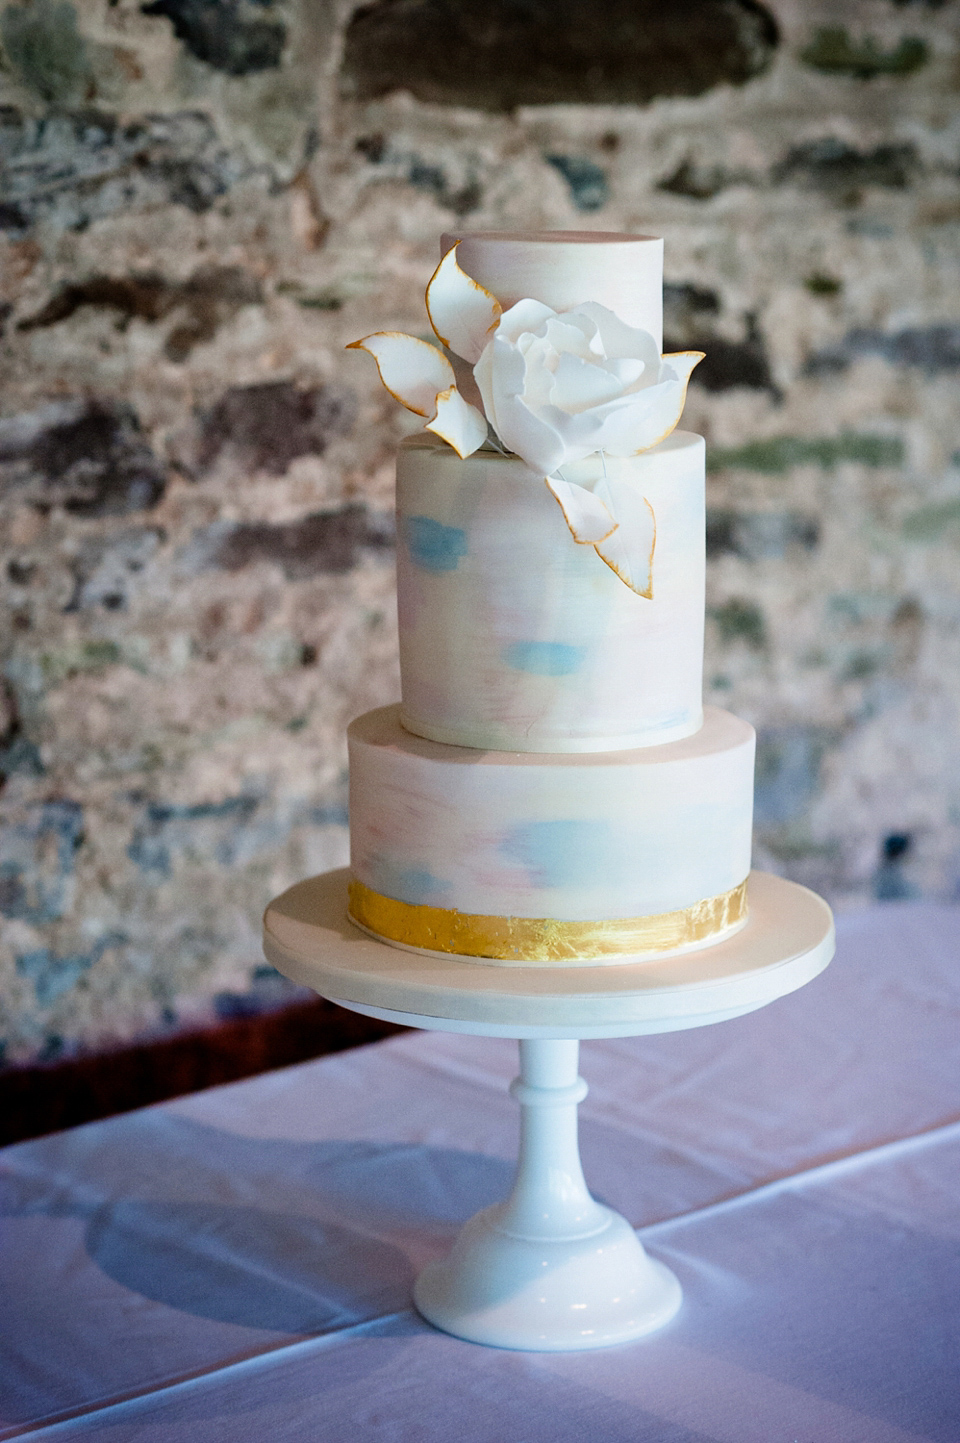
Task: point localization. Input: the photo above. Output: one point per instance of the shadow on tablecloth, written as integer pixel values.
(214, 1246)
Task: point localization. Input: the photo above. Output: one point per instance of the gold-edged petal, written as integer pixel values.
(413, 371)
(458, 423)
(463, 313)
(585, 514)
(682, 363)
(628, 551)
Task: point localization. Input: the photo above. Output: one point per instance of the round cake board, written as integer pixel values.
(788, 938)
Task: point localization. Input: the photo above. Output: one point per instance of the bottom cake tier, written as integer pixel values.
(549, 859)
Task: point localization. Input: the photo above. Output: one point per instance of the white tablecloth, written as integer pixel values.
(237, 1265)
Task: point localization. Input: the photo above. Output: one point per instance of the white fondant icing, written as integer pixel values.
(513, 636)
(551, 758)
(566, 268)
(580, 838)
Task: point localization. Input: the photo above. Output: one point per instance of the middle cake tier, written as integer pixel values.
(546, 858)
(515, 637)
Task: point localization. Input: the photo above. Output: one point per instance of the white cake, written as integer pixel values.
(512, 638)
(549, 790)
(565, 268)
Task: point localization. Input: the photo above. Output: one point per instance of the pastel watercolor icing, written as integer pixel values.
(431, 545)
(545, 658)
(526, 643)
(550, 790)
(566, 851)
(580, 837)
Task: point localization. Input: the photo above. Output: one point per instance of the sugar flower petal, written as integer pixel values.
(682, 364)
(628, 551)
(676, 369)
(458, 423)
(525, 316)
(413, 371)
(618, 341)
(529, 435)
(500, 375)
(578, 386)
(581, 435)
(563, 339)
(557, 387)
(640, 419)
(585, 514)
(483, 375)
(462, 312)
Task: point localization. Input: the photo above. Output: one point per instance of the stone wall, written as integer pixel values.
(201, 201)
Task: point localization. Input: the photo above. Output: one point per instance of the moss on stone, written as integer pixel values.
(820, 284)
(779, 454)
(325, 300)
(83, 656)
(835, 52)
(740, 620)
(861, 665)
(933, 521)
(44, 46)
(793, 843)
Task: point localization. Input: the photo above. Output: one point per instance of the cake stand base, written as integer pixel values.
(554, 1297)
(550, 1269)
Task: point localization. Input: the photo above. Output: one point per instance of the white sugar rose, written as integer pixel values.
(555, 388)
(558, 387)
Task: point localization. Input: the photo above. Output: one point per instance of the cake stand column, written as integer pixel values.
(550, 1269)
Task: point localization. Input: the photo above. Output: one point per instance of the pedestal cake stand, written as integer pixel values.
(550, 1269)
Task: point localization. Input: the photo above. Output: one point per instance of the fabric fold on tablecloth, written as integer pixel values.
(284, 1218)
(822, 1309)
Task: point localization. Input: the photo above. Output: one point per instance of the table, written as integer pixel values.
(237, 1264)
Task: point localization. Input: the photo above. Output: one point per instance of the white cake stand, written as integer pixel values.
(550, 1269)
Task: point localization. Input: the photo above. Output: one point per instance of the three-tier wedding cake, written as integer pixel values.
(550, 791)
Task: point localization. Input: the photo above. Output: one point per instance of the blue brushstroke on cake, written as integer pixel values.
(415, 885)
(567, 853)
(545, 658)
(432, 545)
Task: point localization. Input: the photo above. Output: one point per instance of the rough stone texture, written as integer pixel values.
(70, 168)
(226, 34)
(202, 201)
(200, 304)
(500, 54)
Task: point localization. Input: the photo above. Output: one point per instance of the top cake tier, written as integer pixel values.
(563, 269)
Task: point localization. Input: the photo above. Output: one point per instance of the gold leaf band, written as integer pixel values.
(532, 941)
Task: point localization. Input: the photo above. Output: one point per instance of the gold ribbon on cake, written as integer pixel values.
(529, 941)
